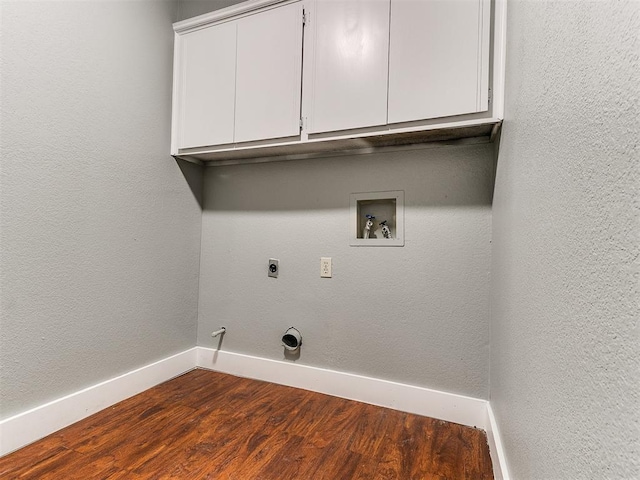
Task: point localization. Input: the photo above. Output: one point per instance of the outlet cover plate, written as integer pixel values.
(274, 267)
(325, 267)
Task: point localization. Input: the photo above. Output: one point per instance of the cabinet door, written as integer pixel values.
(351, 64)
(269, 74)
(438, 58)
(207, 66)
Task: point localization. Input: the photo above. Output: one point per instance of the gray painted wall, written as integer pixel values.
(565, 381)
(192, 8)
(99, 230)
(416, 314)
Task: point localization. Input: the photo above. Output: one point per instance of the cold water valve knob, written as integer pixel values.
(386, 232)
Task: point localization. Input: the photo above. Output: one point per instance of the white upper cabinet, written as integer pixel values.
(350, 64)
(273, 78)
(238, 80)
(206, 99)
(438, 58)
(269, 74)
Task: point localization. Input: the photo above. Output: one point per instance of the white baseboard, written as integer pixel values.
(450, 407)
(407, 398)
(29, 426)
(498, 458)
(34, 424)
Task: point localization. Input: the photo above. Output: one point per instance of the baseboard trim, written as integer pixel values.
(498, 458)
(407, 398)
(34, 424)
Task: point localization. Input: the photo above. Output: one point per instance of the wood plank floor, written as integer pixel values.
(207, 425)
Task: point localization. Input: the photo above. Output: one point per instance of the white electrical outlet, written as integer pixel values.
(325, 267)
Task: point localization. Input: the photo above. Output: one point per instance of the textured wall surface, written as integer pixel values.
(416, 314)
(191, 8)
(100, 232)
(565, 370)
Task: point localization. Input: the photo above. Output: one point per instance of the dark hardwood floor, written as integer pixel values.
(207, 425)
